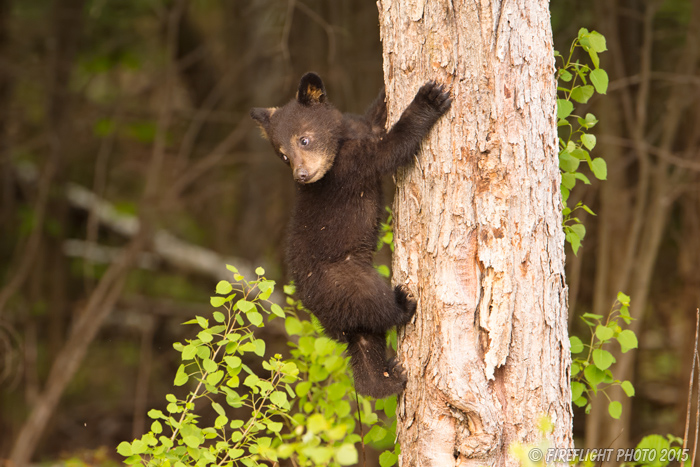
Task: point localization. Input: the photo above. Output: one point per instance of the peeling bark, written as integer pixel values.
(478, 233)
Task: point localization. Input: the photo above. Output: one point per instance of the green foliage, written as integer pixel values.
(300, 408)
(386, 237)
(657, 451)
(591, 372)
(578, 82)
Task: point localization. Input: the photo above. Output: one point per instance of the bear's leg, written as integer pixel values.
(374, 375)
(356, 299)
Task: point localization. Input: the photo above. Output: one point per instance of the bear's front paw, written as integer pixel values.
(435, 96)
(405, 300)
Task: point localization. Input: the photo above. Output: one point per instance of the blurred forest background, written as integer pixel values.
(130, 171)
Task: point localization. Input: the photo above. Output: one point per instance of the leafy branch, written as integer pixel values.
(578, 82)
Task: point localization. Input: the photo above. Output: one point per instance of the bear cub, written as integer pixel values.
(338, 161)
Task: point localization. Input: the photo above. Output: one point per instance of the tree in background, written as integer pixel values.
(478, 234)
(226, 197)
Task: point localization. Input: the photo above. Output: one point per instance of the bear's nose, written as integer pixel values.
(301, 174)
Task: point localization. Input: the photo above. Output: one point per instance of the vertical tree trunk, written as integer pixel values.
(478, 233)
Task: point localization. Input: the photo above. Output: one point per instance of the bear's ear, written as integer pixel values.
(311, 90)
(262, 116)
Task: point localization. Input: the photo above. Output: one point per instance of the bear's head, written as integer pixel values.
(305, 133)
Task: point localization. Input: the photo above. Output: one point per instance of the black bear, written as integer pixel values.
(338, 161)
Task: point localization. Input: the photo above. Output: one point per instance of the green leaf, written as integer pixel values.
(232, 361)
(259, 347)
(203, 351)
(579, 229)
(181, 376)
(567, 162)
(274, 427)
(219, 317)
(597, 41)
(303, 388)
(594, 376)
(215, 377)
(154, 413)
(565, 76)
(245, 306)
(205, 336)
(223, 287)
(603, 359)
(124, 449)
(587, 209)
(574, 240)
(292, 326)
(599, 168)
(235, 453)
(260, 271)
(156, 427)
(657, 443)
(581, 401)
(387, 459)
(568, 180)
(277, 310)
(255, 318)
(623, 299)
(316, 422)
(375, 434)
(217, 407)
(564, 108)
(383, 270)
(576, 344)
(594, 57)
(319, 455)
(203, 322)
(577, 389)
(191, 441)
(216, 302)
(209, 365)
(581, 94)
(627, 340)
(599, 78)
(232, 268)
(588, 141)
(220, 421)
(615, 409)
(188, 352)
(584, 179)
(279, 398)
(603, 333)
(346, 455)
(581, 154)
(575, 368)
(628, 388)
(588, 122)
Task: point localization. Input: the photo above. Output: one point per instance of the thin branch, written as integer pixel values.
(205, 164)
(107, 292)
(286, 29)
(328, 28)
(691, 381)
(658, 152)
(29, 253)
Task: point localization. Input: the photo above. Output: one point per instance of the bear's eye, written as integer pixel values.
(304, 141)
(285, 158)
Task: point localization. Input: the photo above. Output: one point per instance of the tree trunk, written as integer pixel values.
(478, 233)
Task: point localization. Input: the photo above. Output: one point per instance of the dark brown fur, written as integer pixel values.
(338, 160)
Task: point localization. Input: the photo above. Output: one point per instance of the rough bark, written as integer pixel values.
(478, 233)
